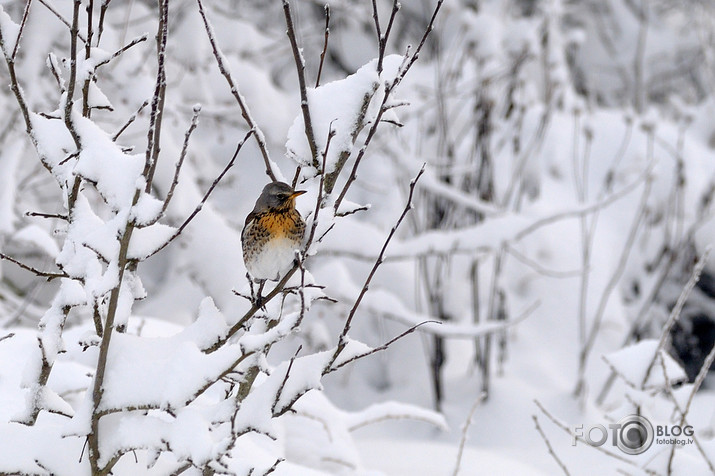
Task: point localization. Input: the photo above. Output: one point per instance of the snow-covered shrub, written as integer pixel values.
(98, 387)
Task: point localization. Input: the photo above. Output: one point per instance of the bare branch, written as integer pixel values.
(17, 90)
(206, 195)
(321, 189)
(61, 18)
(333, 367)
(157, 103)
(102, 13)
(124, 48)
(565, 428)
(59, 216)
(129, 122)
(35, 271)
(548, 445)
(23, 22)
(342, 340)
(404, 69)
(586, 209)
(677, 309)
(382, 39)
(180, 162)
(285, 379)
(86, 109)
(325, 44)
(611, 285)
(69, 99)
(300, 66)
(7, 336)
(245, 112)
(465, 429)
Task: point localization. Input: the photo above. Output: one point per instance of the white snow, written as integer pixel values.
(34, 235)
(10, 30)
(576, 131)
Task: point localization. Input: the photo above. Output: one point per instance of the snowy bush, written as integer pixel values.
(98, 382)
(540, 183)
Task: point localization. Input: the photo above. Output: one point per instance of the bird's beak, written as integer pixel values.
(296, 193)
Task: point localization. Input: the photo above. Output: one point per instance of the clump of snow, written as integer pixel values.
(36, 236)
(10, 31)
(146, 240)
(147, 209)
(336, 107)
(101, 161)
(633, 362)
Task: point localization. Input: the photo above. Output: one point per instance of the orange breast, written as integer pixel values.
(282, 224)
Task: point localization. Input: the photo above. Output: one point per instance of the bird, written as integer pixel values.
(272, 233)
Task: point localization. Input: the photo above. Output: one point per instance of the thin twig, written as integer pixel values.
(389, 88)
(333, 367)
(342, 340)
(124, 48)
(206, 195)
(584, 210)
(102, 13)
(61, 18)
(382, 39)
(611, 285)
(23, 22)
(677, 309)
(59, 216)
(704, 369)
(565, 428)
(7, 336)
(129, 122)
(321, 188)
(245, 112)
(285, 380)
(86, 109)
(300, 67)
(465, 430)
(158, 99)
(180, 162)
(35, 271)
(325, 44)
(548, 445)
(537, 266)
(69, 100)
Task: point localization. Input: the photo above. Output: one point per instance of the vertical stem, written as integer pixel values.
(97, 389)
(491, 315)
(123, 263)
(69, 101)
(86, 110)
(300, 66)
(157, 104)
(639, 88)
(474, 275)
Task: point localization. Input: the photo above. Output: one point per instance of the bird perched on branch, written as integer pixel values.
(272, 233)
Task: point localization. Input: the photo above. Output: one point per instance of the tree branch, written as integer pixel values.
(342, 340)
(206, 195)
(245, 112)
(325, 44)
(42, 274)
(300, 66)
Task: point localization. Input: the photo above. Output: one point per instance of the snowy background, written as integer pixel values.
(554, 252)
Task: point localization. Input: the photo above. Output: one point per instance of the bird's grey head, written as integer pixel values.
(275, 195)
